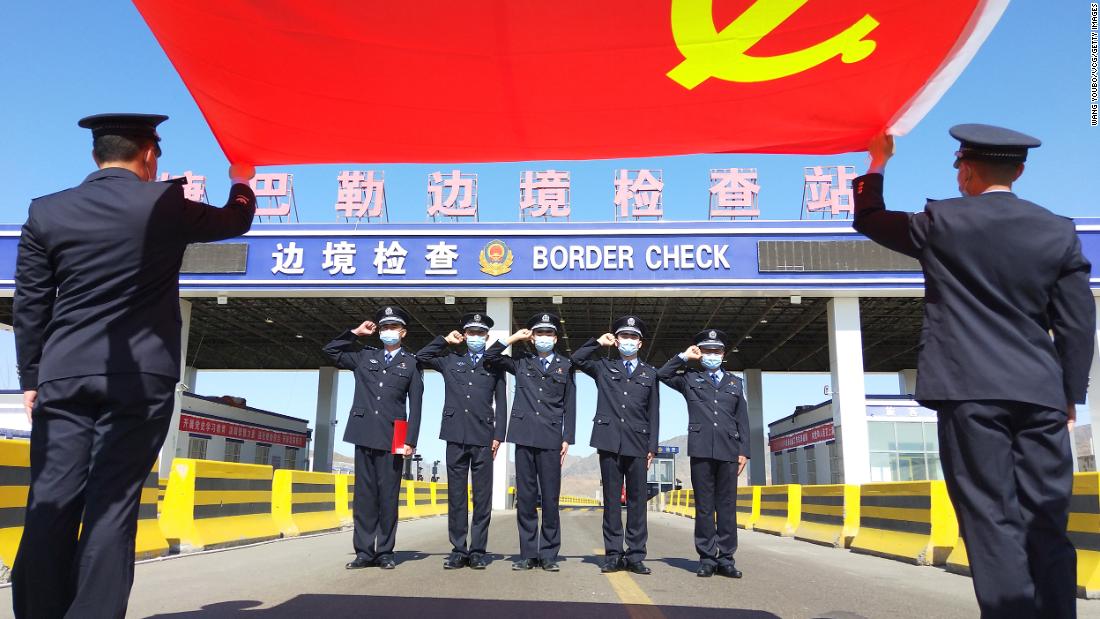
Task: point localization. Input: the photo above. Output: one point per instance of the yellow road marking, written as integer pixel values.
(638, 605)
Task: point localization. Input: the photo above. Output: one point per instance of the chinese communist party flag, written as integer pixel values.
(325, 81)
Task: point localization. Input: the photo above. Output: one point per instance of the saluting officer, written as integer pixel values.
(718, 445)
(97, 338)
(385, 379)
(542, 426)
(624, 432)
(1009, 323)
(473, 428)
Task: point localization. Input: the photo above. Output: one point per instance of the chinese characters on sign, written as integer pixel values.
(453, 195)
(816, 434)
(361, 194)
(828, 190)
(194, 190)
(274, 186)
(199, 425)
(734, 192)
(544, 194)
(638, 194)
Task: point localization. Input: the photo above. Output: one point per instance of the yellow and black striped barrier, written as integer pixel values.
(748, 506)
(780, 509)
(577, 503)
(439, 498)
(162, 486)
(830, 514)
(15, 481)
(345, 497)
(678, 503)
(150, 541)
(689, 503)
(304, 502)
(909, 521)
(215, 504)
(1084, 532)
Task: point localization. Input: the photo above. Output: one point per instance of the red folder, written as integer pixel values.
(400, 428)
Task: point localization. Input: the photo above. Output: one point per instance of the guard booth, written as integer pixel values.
(662, 474)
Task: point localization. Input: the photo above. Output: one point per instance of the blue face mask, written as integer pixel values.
(476, 343)
(712, 362)
(544, 343)
(628, 348)
(391, 337)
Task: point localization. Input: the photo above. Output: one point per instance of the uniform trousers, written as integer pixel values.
(94, 440)
(377, 488)
(474, 462)
(1009, 473)
(614, 469)
(714, 484)
(538, 472)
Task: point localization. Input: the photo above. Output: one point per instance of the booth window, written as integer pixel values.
(196, 447)
(263, 454)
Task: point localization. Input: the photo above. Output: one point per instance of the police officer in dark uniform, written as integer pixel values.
(718, 445)
(542, 426)
(473, 428)
(97, 336)
(624, 432)
(385, 379)
(1009, 322)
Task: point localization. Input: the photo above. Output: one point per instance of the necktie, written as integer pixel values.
(475, 359)
(629, 368)
(546, 364)
(714, 378)
(389, 357)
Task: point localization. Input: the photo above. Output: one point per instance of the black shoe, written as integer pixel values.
(611, 566)
(387, 563)
(525, 564)
(706, 570)
(478, 562)
(638, 568)
(359, 563)
(729, 571)
(549, 565)
(454, 562)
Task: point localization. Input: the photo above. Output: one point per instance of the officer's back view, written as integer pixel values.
(1005, 352)
(97, 334)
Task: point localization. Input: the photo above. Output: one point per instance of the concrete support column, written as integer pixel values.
(500, 310)
(171, 442)
(907, 382)
(1094, 392)
(324, 432)
(758, 445)
(849, 397)
(190, 378)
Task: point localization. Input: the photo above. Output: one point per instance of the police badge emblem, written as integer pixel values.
(496, 259)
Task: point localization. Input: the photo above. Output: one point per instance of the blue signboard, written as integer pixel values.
(668, 449)
(518, 257)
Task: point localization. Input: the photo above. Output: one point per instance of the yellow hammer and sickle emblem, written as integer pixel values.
(709, 53)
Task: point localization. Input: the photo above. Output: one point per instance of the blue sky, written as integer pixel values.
(63, 60)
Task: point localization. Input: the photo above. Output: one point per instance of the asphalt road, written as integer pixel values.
(305, 578)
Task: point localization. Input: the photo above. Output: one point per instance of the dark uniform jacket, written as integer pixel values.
(468, 414)
(627, 407)
(381, 391)
(1000, 275)
(718, 417)
(544, 410)
(97, 277)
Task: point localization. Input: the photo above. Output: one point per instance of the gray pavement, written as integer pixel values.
(305, 577)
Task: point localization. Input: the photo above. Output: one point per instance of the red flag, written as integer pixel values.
(291, 81)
